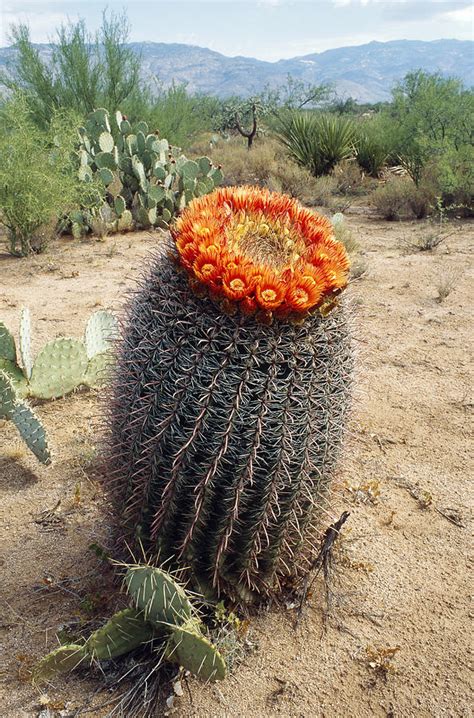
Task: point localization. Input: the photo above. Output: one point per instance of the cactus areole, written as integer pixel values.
(231, 392)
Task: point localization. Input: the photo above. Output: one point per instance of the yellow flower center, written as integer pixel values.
(301, 294)
(272, 242)
(207, 268)
(237, 285)
(269, 295)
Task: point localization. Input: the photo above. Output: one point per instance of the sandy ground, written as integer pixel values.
(401, 578)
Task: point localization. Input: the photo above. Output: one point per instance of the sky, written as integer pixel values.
(265, 29)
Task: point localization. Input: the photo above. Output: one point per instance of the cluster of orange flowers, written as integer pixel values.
(261, 249)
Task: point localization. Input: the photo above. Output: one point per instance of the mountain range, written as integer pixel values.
(365, 72)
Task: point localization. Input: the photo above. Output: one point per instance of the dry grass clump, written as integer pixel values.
(446, 284)
(344, 234)
(349, 178)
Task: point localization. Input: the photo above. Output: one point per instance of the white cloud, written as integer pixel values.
(344, 3)
(462, 16)
(42, 24)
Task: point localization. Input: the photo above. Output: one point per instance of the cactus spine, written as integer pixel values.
(226, 426)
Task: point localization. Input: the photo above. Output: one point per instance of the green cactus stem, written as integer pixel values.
(25, 341)
(190, 649)
(61, 660)
(59, 368)
(31, 431)
(7, 344)
(158, 595)
(123, 633)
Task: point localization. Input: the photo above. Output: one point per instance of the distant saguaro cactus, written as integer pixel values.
(231, 391)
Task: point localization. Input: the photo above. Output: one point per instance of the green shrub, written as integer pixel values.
(316, 141)
(420, 200)
(83, 71)
(391, 199)
(450, 177)
(38, 183)
(175, 114)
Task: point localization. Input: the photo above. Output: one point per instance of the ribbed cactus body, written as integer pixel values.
(225, 432)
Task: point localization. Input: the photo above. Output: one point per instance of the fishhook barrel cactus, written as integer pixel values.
(231, 391)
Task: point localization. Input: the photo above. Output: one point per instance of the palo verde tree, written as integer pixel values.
(84, 71)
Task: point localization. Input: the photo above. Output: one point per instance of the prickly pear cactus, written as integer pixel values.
(147, 181)
(189, 648)
(123, 633)
(29, 426)
(63, 364)
(61, 660)
(7, 344)
(166, 616)
(231, 392)
(158, 595)
(25, 342)
(7, 396)
(58, 369)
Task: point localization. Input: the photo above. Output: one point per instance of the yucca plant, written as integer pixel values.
(317, 141)
(371, 152)
(231, 391)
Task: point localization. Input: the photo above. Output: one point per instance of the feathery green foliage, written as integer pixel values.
(84, 71)
(372, 150)
(38, 184)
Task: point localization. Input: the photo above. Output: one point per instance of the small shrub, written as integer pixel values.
(420, 200)
(324, 189)
(446, 285)
(359, 268)
(343, 234)
(391, 199)
(450, 177)
(428, 239)
(241, 165)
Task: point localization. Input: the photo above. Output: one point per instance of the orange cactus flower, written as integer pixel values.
(262, 250)
(304, 293)
(238, 280)
(270, 290)
(207, 266)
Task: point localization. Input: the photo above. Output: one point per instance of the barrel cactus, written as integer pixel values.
(231, 391)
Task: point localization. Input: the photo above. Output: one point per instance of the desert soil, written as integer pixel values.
(400, 579)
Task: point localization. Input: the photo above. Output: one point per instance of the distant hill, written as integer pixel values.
(365, 72)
